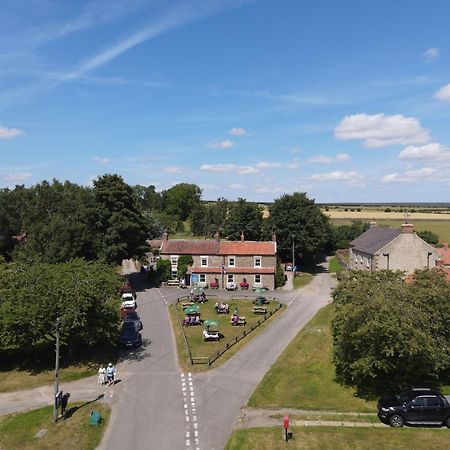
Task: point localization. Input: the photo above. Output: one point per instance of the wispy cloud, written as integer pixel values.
(431, 54)
(100, 160)
(224, 168)
(323, 159)
(18, 177)
(173, 169)
(9, 133)
(239, 132)
(352, 177)
(443, 93)
(222, 144)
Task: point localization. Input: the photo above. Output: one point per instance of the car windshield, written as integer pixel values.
(404, 397)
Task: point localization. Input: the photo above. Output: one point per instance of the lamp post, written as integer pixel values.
(387, 256)
(428, 260)
(56, 398)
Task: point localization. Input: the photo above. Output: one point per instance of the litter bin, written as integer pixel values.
(96, 418)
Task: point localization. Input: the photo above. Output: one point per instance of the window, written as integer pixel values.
(360, 259)
(433, 402)
(257, 279)
(174, 260)
(202, 278)
(204, 261)
(368, 263)
(231, 261)
(418, 401)
(230, 278)
(257, 261)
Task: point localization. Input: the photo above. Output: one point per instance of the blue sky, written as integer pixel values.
(347, 101)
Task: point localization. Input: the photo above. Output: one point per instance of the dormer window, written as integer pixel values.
(203, 261)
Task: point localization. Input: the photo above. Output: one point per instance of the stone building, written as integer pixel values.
(224, 261)
(393, 249)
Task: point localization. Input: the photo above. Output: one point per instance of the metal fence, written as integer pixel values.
(210, 359)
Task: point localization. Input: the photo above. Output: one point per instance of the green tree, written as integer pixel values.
(83, 294)
(429, 237)
(184, 261)
(298, 220)
(342, 235)
(120, 226)
(149, 199)
(244, 217)
(164, 269)
(279, 274)
(389, 335)
(181, 199)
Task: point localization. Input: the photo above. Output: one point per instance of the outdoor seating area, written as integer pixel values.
(237, 320)
(259, 309)
(259, 301)
(222, 308)
(198, 295)
(192, 316)
(211, 331)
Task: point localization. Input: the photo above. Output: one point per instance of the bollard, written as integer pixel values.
(286, 427)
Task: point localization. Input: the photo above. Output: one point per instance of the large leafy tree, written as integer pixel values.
(120, 227)
(244, 217)
(298, 220)
(342, 235)
(208, 218)
(83, 294)
(181, 199)
(149, 199)
(390, 335)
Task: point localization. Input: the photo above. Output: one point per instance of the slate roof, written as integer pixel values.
(374, 239)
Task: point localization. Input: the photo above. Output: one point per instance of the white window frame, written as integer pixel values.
(254, 279)
(202, 277)
(230, 278)
(232, 258)
(201, 261)
(368, 262)
(174, 260)
(257, 258)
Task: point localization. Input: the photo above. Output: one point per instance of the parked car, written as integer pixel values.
(129, 336)
(126, 288)
(125, 310)
(134, 317)
(419, 406)
(231, 286)
(128, 300)
(244, 285)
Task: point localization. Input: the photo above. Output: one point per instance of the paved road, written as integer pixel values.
(223, 391)
(156, 406)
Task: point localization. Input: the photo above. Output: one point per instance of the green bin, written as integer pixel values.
(96, 418)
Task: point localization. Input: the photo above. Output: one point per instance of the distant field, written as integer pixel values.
(439, 227)
(374, 214)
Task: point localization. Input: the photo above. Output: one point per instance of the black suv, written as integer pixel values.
(419, 406)
(129, 336)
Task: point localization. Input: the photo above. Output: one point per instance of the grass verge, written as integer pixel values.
(302, 279)
(200, 348)
(18, 431)
(320, 438)
(303, 376)
(372, 418)
(334, 266)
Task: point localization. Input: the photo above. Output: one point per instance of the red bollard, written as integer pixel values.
(286, 427)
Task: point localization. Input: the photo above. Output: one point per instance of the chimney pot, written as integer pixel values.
(242, 237)
(165, 236)
(372, 224)
(407, 228)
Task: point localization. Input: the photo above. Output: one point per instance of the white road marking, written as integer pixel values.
(190, 410)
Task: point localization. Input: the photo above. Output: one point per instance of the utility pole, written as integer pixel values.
(55, 404)
(293, 253)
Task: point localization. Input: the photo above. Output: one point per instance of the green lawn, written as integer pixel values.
(302, 279)
(17, 431)
(303, 376)
(334, 266)
(194, 336)
(337, 438)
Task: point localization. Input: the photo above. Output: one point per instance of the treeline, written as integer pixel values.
(110, 221)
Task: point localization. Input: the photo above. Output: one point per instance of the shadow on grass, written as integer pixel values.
(72, 410)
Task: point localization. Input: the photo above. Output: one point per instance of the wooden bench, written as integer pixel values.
(259, 310)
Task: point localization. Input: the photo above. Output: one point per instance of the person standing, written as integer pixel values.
(110, 374)
(101, 380)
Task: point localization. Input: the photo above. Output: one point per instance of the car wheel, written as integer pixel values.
(447, 422)
(396, 421)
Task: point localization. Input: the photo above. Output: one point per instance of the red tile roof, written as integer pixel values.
(445, 254)
(247, 248)
(247, 270)
(191, 247)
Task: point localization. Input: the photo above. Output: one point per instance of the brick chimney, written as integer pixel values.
(217, 236)
(445, 246)
(407, 228)
(439, 262)
(165, 236)
(274, 237)
(242, 236)
(372, 224)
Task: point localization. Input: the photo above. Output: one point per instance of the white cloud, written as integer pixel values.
(173, 169)
(411, 176)
(267, 165)
(223, 168)
(351, 177)
(443, 93)
(236, 131)
(218, 167)
(236, 186)
(101, 160)
(431, 54)
(323, 159)
(17, 177)
(342, 157)
(9, 133)
(294, 165)
(379, 130)
(222, 144)
(432, 151)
